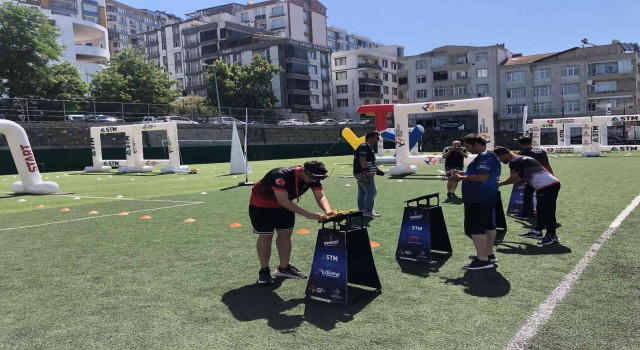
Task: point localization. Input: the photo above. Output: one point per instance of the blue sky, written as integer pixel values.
(527, 27)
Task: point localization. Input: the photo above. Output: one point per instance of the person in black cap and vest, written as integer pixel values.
(271, 207)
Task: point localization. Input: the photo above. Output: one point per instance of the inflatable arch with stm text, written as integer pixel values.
(22, 153)
(405, 162)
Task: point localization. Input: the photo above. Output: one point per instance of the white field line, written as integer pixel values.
(531, 327)
(130, 199)
(97, 217)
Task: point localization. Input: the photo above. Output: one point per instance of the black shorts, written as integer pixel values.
(265, 220)
(478, 218)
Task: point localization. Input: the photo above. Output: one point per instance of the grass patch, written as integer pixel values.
(122, 282)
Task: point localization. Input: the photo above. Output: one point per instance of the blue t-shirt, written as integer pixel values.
(482, 192)
(364, 150)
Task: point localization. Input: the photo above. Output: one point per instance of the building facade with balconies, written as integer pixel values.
(364, 76)
(573, 83)
(83, 32)
(452, 73)
(194, 44)
(126, 24)
(339, 39)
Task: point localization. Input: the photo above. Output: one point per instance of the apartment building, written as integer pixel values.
(573, 83)
(185, 49)
(126, 24)
(339, 39)
(365, 76)
(83, 31)
(452, 73)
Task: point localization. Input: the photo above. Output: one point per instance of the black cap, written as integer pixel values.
(316, 170)
(501, 151)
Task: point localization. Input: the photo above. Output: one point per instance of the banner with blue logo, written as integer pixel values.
(328, 277)
(516, 200)
(415, 235)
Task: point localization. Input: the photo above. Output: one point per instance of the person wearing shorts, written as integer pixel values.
(479, 195)
(271, 208)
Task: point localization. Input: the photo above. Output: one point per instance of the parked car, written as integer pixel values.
(226, 120)
(102, 118)
(292, 122)
(347, 121)
(326, 122)
(149, 119)
(176, 119)
(74, 118)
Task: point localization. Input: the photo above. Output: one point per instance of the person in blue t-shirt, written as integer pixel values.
(479, 194)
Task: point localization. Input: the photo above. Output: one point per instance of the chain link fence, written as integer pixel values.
(40, 110)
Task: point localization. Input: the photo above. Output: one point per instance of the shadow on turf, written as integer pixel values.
(254, 302)
(416, 177)
(423, 269)
(523, 248)
(482, 283)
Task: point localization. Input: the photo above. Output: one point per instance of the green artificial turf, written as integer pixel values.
(78, 280)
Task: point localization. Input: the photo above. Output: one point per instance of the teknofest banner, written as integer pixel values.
(516, 200)
(328, 278)
(415, 236)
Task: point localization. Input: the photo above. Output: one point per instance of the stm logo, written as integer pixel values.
(429, 107)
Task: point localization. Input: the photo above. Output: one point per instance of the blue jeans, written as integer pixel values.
(366, 193)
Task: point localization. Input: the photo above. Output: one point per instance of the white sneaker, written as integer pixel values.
(373, 214)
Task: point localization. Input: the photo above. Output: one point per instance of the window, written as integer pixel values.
(315, 99)
(421, 94)
(603, 87)
(278, 23)
(571, 106)
(482, 89)
(244, 17)
(543, 90)
(385, 64)
(394, 78)
(341, 75)
(459, 75)
(571, 71)
(440, 91)
(313, 84)
(437, 61)
(544, 73)
(385, 89)
(516, 93)
(440, 76)
(421, 64)
(313, 70)
(542, 107)
(621, 66)
(482, 56)
(394, 91)
(568, 89)
(343, 102)
(515, 109)
(460, 59)
(394, 65)
(342, 89)
(460, 89)
(312, 55)
(277, 11)
(482, 73)
(515, 76)
(421, 79)
(385, 76)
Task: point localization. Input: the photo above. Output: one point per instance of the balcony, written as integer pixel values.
(370, 94)
(369, 66)
(374, 81)
(610, 92)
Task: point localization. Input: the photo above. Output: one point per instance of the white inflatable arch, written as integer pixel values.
(31, 180)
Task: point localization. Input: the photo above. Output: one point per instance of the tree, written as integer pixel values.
(27, 45)
(193, 105)
(243, 86)
(130, 78)
(63, 82)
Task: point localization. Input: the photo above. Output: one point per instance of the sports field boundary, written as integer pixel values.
(543, 313)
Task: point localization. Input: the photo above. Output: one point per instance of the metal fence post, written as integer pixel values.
(26, 103)
(64, 111)
(122, 110)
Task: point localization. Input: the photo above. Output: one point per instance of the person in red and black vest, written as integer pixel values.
(271, 207)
